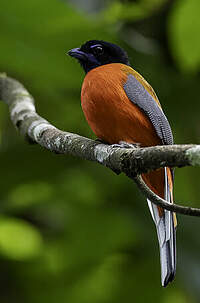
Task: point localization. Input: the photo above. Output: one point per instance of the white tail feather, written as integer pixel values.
(166, 235)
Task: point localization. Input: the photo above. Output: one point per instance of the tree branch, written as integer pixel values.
(131, 161)
(190, 211)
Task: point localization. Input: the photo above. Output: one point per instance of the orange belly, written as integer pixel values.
(113, 117)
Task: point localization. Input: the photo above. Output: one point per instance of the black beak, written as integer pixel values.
(78, 54)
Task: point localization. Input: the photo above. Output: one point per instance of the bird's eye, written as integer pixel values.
(98, 50)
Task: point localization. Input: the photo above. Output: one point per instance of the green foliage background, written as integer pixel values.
(71, 230)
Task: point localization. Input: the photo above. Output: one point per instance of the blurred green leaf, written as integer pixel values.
(18, 239)
(118, 11)
(83, 188)
(176, 296)
(183, 34)
(25, 195)
(100, 284)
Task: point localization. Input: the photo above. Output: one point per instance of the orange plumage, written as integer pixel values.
(122, 119)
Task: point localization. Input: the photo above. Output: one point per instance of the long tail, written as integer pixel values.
(166, 223)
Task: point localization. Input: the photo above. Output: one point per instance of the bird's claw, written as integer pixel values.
(123, 144)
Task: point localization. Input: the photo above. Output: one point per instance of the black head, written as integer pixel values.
(95, 53)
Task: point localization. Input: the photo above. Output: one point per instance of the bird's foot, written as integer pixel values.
(124, 144)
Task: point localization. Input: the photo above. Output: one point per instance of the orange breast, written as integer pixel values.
(113, 117)
(109, 112)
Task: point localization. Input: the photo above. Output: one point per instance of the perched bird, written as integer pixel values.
(120, 106)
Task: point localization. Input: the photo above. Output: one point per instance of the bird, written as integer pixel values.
(121, 107)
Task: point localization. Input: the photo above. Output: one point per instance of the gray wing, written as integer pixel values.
(137, 94)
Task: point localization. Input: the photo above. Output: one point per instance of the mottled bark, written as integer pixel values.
(131, 161)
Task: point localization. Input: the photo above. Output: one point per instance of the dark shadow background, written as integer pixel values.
(71, 230)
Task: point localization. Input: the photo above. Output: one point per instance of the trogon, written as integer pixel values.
(120, 106)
